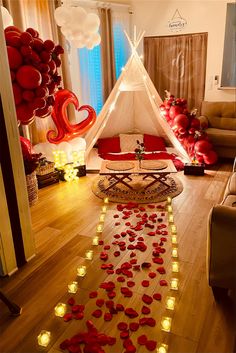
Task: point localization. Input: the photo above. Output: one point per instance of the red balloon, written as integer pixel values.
(210, 158)
(28, 77)
(26, 147)
(175, 110)
(14, 57)
(203, 147)
(195, 123)
(181, 120)
(65, 130)
(192, 130)
(200, 158)
(24, 113)
(17, 93)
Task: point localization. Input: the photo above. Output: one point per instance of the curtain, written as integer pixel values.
(39, 14)
(178, 64)
(107, 52)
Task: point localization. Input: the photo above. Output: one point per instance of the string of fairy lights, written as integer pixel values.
(60, 309)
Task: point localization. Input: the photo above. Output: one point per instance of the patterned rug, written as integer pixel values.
(121, 193)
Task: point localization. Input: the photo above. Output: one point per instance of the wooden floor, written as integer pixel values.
(64, 220)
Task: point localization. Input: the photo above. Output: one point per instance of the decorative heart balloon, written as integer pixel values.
(65, 130)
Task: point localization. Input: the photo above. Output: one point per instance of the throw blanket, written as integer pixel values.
(179, 165)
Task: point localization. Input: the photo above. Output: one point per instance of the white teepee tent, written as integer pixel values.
(133, 107)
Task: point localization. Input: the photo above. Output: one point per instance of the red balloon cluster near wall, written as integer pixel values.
(187, 129)
(33, 64)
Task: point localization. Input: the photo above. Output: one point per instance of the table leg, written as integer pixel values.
(161, 178)
(119, 178)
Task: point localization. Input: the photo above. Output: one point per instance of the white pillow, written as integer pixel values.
(128, 143)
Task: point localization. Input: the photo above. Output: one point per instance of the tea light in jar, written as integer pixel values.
(60, 309)
(102, 217)
(81, 271)
(44, 338)
(95, 240)
(175, 266)
(166, 324)
(73, 287)
(104, 209)
(174, 252)
(174, 239)
(106, 200)
(171, 218)
(99, 228)
(162, 348)
(173, 229)
(170, 303)
(169, 200)
(169, 209)
(174, 283)
(89, 254)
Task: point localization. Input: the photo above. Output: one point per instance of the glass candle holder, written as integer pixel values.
(162, 348)
(102, 218)
(171, 218)
(175, 266)
(81, 271)
(106, 200)
(60, 309)
(174, 283)
(166, 324)
(99, 228)
(104, 209)
(174, 252)
(44, 338)
(173, 229)
(169, 200)
(89, 255)
(170, 303)
(95, 240)
(73, 287)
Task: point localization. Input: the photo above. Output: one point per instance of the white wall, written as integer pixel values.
(201, 16)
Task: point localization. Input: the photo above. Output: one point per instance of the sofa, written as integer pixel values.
(221, 241)
(219, 121)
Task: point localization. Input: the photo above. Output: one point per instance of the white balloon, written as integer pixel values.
(78, 43)
(90, 46)
(79, 15)
(6, 18)
(92, 23)
(78, 144)
(96, 39)
(62, 15)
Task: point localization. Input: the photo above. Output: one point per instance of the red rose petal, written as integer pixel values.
(157, 296)
(133, 326)
(64, 344)
(121, 279)
(93, 294)
(122, 326)
(117, 223)
(116, 253)
(130, 284)
(147, 299)
(106, 247)
(109, 304)
(140, 238)
(130, 349)
(97, 313)
(101, 242)
(136, 267)
(77, 308)
(71, 301)
(163, 282)
(133, 254)
(146, 265)
(111, 341)
(68, 317)
(158, 260)
(107, 316)
(152, 274)
(131, 313)
(145, 283)
(124, 334)
(111, 295)
(133, 261)
(151, 345)
(74, 348)
(161, 270)
(119, 307)
(147, 321)
(79, 316)
(142, 340)
(145, 310)
(110, 272)
(100, 302)
(116, 236)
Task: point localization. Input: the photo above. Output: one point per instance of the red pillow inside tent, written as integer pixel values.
(153, 143)
(109, 145)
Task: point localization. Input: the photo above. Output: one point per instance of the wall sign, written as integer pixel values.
(177, 23)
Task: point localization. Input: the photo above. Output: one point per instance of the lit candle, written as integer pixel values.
(81, 271)
(173, 229)
(106, 200)
(162, 348)
(95, 240)
(89, 254)
(170, 303)
(174, 252)
(99, 228)
(60, 309)
(169, 209)
(169, 200)
(175, 266)
(174, 283)
(171, 218)
(102, 217)
(166, 324)
(174, 239)
(73, 287)
(44, 338)
(104, 209)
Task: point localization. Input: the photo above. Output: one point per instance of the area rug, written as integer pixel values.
(121, 193)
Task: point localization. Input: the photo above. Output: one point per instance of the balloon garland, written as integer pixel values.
(65, 130)
(34, 67)
(188, 130)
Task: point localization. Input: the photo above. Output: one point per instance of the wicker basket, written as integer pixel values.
(32, 188)
(46, 168)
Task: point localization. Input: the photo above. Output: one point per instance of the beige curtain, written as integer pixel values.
(107, 52)
(178, 64)
(39, 14)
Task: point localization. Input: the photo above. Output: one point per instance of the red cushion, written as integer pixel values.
(153, 143)
(109, 145)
